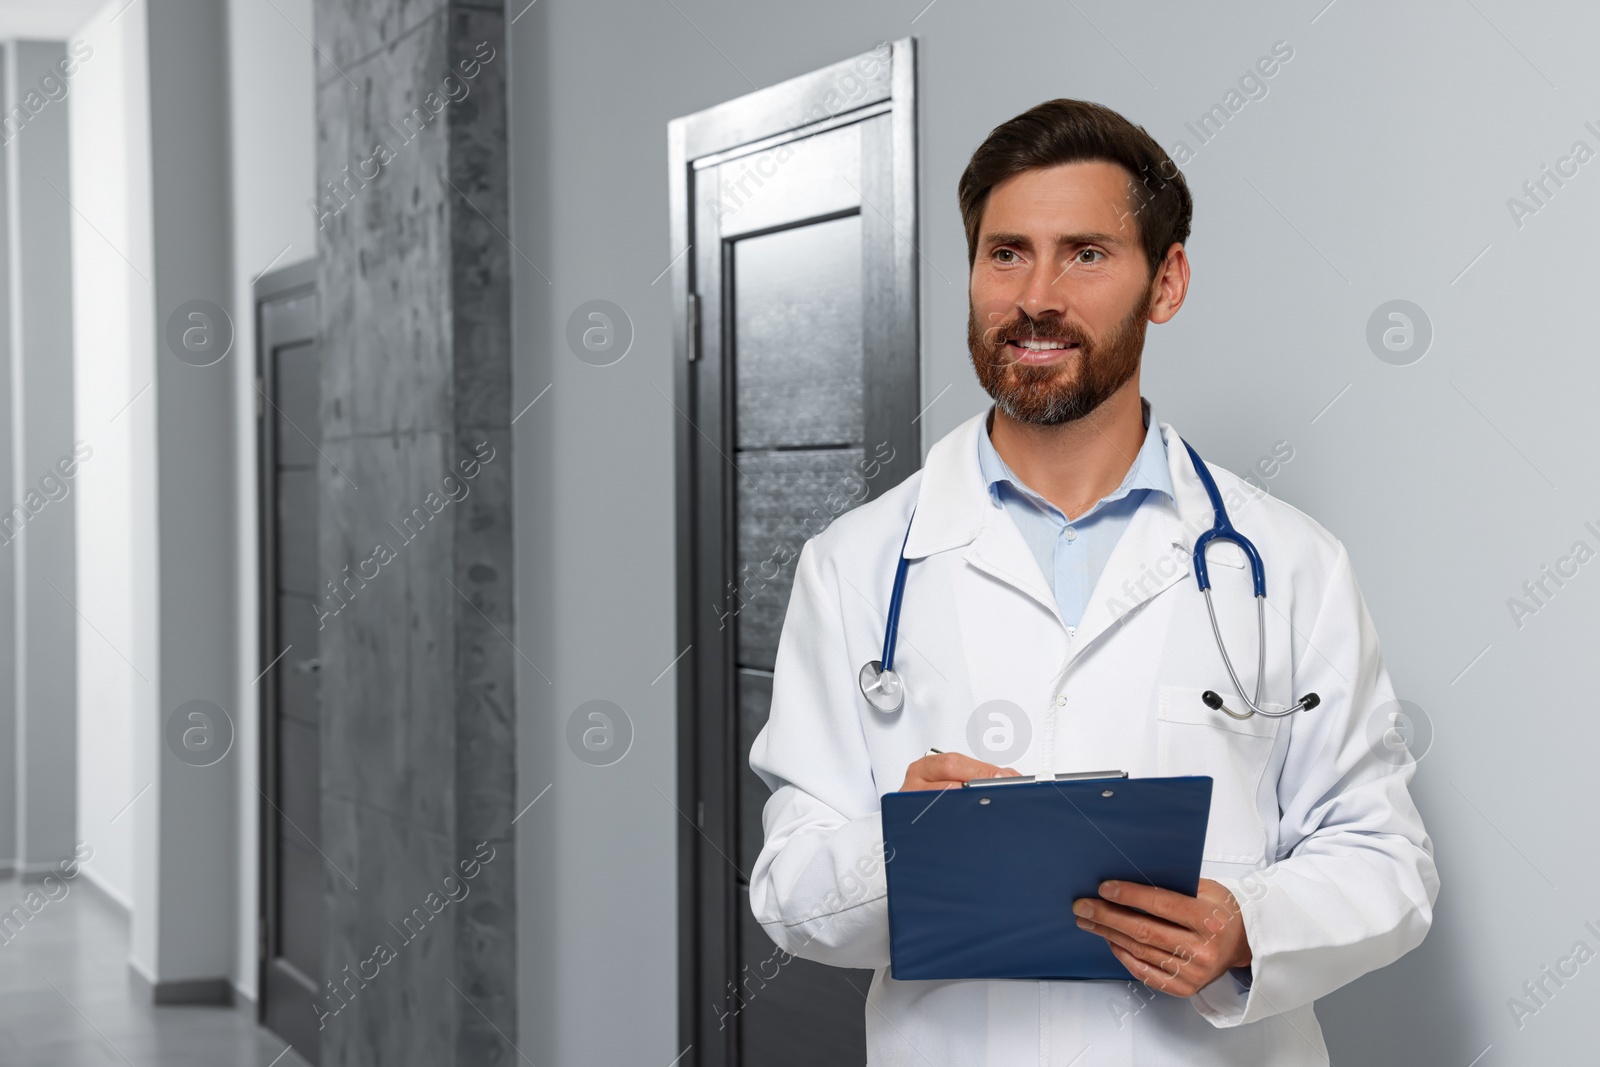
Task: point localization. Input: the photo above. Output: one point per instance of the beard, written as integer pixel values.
(1055, 393)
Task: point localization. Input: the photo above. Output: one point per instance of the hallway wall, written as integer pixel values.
(1376, 164)
(42, 529)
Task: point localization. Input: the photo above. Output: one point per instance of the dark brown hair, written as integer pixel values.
(1075, 131)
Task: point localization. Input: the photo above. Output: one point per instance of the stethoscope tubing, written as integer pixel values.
(1222, 530)
(1261, 662)
(891, 630)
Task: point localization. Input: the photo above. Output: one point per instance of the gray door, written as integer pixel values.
(292, 869)
(802, 389)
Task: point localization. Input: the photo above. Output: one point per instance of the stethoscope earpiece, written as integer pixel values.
(1211, 700)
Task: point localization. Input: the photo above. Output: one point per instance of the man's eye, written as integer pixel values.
(1005, 252)
(1087, 252)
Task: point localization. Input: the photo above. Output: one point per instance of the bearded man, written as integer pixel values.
(1049, 541)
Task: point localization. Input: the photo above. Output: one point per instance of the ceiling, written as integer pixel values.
(51, 19)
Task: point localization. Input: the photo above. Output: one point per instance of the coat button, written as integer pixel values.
(1061, 700)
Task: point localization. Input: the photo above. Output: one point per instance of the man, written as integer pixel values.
(1052, 580)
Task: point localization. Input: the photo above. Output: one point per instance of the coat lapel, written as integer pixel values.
(954, 510)
(1150, 558)
(1000, 551)
(1154, 553)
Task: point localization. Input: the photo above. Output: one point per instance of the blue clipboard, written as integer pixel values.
(982, 878)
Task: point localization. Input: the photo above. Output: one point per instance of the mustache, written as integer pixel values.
(1049, 329)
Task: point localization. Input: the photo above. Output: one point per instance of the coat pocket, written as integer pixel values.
(1195, 739)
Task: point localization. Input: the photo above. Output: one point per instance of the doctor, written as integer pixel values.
(1053, 622)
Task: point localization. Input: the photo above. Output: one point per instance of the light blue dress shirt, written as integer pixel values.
(1072, 554)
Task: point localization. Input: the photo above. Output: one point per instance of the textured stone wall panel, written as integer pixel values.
(381, 178)
(418, 703)
(481, 253)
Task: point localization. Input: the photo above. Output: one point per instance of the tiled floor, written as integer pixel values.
(66, 999)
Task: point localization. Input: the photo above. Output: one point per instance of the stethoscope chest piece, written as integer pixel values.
(880, 684)
(883, 688)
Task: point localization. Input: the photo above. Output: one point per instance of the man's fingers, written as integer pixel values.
(1154, 977)
(1168, 961)
(1164, 903)
(956, 767)
(1141, 927)
(947, 769)
(1181, 956)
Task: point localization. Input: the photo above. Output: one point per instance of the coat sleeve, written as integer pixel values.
(818, 886)
(1356, 888)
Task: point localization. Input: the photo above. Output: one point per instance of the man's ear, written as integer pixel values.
(1170, 285)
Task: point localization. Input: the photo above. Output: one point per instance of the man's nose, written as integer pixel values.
(1042, 293)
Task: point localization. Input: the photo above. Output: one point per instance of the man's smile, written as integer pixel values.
(1035, 352)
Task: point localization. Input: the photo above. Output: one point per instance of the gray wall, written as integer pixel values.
(8, 560)
(183, 909)
(1377, 167)
(40, 421)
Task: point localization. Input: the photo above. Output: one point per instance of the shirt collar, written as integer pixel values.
(1149, 469)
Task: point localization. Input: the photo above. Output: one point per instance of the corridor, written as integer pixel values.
(461, 463)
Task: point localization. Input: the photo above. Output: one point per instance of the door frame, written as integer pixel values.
(293, 280)
(704, 793)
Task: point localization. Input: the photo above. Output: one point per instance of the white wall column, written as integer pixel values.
(185, 865)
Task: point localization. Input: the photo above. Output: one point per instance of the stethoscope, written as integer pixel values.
(884, 689)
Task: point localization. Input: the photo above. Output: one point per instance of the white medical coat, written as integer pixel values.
(1312, 827)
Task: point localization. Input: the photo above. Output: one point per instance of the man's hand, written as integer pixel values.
(1168, 941)
(950, 769)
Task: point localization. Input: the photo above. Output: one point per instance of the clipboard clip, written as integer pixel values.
(1064, 776)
